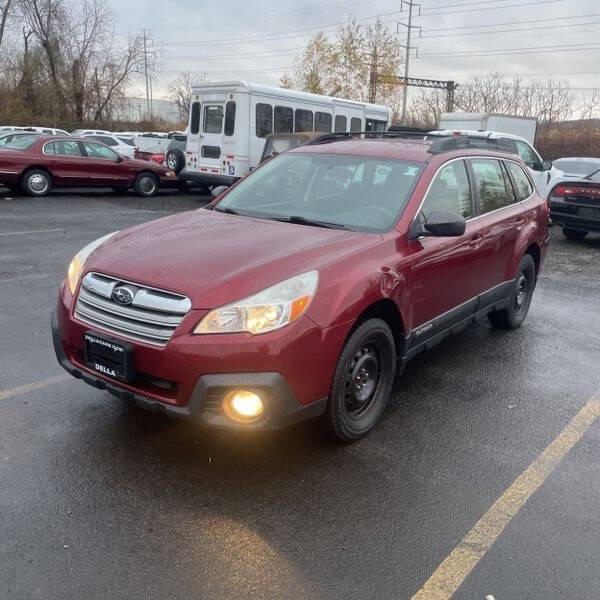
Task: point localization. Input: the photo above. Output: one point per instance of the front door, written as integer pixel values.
(104, 166)
(445, 273)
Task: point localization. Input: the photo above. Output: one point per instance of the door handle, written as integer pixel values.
(476, 241)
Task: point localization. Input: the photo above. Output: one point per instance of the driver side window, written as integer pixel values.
(449, 192)
(94, 150)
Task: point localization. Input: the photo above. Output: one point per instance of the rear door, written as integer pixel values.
(499, 222)
(66, 161)
(211, 136)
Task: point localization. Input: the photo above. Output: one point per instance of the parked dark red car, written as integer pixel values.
(36, 164)
(305, 287)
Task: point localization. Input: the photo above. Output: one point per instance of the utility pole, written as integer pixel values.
(148, 112)
(409, 27)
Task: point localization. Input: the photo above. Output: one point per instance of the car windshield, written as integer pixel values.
(577, 167)
(21, 142)
(354, 192)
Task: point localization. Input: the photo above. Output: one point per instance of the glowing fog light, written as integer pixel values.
(243, 405)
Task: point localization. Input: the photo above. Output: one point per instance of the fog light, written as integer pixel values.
(243, 405)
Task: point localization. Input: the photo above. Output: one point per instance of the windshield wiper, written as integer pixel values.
(304, 221)
(227, 210)
(592, 174)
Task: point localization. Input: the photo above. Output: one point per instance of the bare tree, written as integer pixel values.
(4, 12)
(180, 92)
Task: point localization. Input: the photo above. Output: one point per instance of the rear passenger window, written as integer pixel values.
(213, 119)
(449, 192)
(323, 122)
(229, 118)
(264, 120)
(355, 124)
(195, 119)
(340, 124)
(523, 187)
(494, 190)
(283, 121)
(303, 120)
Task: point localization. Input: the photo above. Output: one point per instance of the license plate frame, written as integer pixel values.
(588, 212)
(108, 356)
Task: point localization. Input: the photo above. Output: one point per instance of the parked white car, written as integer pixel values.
(545, 174)
(84, 132)
(123, 146)
(44, 130)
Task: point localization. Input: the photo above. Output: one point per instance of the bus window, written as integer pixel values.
(303, 120)
(323, 122)
(195, 120)
(375, 125)
(229, 118)
(355, 124)
(213, 119)
(340, 124)
(284, 119)
(264, 119)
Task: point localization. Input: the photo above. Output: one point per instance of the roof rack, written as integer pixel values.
(439, 143)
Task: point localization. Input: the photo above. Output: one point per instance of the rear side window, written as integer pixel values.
(523, 187)
(494, 190)
(303, 120)
(323, 122)
(264, 120)
(340, 124)
(355, 124)
(449, 192)
(283, 121)
(213, 119)
(229, 118)
(195, 118)
(63, 148)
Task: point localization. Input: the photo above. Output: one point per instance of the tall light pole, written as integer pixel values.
(146, 76)
(409, 27)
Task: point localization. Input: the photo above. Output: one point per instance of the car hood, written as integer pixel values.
(215, 258)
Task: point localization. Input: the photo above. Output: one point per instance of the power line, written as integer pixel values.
(513, 51)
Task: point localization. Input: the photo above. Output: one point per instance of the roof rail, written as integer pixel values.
(440, 143)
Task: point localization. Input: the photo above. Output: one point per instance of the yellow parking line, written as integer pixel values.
(30, 387)
(32, 231)
(459, 563)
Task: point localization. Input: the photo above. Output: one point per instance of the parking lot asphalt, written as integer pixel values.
(102, 500)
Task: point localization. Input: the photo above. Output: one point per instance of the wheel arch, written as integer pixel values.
(535, 252)
(38, 168)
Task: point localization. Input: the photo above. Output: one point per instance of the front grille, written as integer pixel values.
(151, 317)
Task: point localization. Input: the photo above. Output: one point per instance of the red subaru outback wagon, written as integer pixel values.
(303, 289)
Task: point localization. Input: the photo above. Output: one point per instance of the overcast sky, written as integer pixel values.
(257, 40)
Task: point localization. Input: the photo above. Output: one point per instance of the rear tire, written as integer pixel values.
(36, 182)
(146, 184)
(362, 381)
(175, 160)
(520, 298)
(575, 235)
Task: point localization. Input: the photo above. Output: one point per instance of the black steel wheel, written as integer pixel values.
(520, 298)
(362, 381)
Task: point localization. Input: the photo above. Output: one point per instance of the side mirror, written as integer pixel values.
(217, 191)
(546, 165)
(440, 224)
(120, 159)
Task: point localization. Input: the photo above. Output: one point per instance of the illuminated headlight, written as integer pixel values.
(270, 309)
(78, 262)
(243, 405)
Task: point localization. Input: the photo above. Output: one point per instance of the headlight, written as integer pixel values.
(268, 310)
(170, 174)
(78, 262)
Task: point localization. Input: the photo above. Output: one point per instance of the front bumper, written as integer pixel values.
(204, 400)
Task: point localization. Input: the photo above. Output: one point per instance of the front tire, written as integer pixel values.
(362, 382)
(575, 235)
(146, 184)
(520, 299)
(36, 182)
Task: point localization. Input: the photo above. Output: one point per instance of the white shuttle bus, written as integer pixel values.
(230, 120)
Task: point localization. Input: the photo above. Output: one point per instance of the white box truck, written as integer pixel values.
(525, 127)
